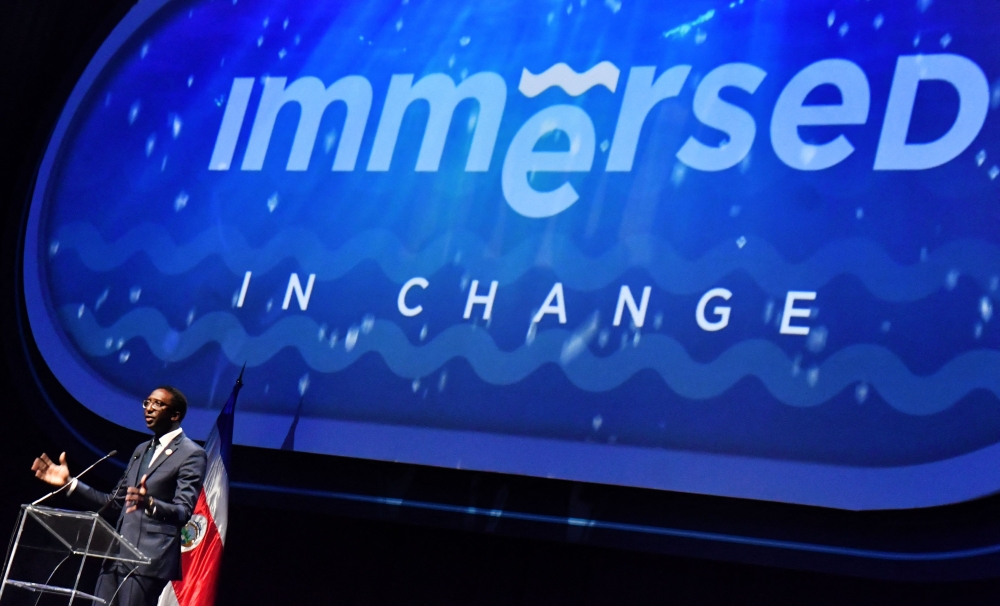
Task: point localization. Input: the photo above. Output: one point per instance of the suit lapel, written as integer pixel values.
(133, 468)
(169, 450)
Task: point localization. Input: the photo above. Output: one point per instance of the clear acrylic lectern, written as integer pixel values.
(46, 538)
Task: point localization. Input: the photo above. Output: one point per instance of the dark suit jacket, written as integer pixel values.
(174, 481)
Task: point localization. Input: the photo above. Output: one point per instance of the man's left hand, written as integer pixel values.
(136, 498)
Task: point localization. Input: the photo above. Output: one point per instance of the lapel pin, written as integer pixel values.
(169, 452)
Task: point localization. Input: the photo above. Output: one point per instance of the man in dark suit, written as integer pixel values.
(152, 501)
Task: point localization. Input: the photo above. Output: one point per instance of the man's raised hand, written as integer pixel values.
(56, 474)
(135, 498)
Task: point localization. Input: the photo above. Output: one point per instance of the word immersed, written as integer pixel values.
(643, 91)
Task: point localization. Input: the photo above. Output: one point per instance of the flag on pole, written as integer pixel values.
(203, 538)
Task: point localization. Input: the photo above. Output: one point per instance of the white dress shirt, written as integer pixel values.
(161, 444)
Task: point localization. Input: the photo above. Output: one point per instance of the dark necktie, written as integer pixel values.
(146, 459)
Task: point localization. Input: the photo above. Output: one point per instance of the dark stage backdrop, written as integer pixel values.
(287, 549)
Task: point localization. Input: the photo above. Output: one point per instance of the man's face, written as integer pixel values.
(159, 411)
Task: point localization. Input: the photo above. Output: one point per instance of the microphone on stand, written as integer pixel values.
(118, 488)
(66, 485)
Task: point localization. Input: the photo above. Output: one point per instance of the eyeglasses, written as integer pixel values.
(154, 404)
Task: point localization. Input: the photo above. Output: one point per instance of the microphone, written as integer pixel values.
(80, 475)
(118, 488)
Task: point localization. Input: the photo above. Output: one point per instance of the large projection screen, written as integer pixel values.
(741, 248)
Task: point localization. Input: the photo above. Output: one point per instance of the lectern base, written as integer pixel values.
(63, 591)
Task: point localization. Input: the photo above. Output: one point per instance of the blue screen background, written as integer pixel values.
(141, 250)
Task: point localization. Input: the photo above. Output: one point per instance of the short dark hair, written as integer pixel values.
(177, 399)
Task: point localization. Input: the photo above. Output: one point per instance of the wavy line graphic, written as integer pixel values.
(575, 84)
(883, 277)
(875, 365)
